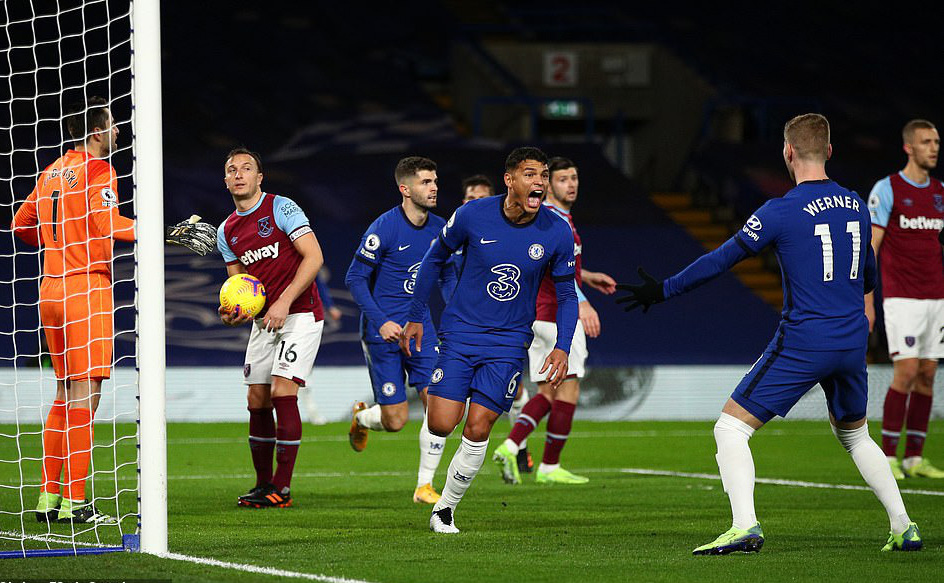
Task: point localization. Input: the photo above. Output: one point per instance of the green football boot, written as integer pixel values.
(736, 540)
(507, 464)
(923, 469)
(897, 472)
(910, 540)
(559, 476)
(47, 509)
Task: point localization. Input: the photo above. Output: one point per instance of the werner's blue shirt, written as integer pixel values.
(382, 274)
(821, 233)
(494, 301)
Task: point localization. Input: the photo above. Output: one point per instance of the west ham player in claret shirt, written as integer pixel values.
(268, 236)
(509, 242)
(820, 232)
(907, 215)
(562, 402)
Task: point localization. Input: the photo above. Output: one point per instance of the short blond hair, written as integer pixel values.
(907, 132)
(809, 136)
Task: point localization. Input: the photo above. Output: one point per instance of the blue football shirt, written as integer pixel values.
(494, 300)
(821, 233)
(382, 274)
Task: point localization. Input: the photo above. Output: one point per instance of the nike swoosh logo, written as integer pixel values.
(484, 242)
(401, 248)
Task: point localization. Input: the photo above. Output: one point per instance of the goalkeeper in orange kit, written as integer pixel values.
(72, 214)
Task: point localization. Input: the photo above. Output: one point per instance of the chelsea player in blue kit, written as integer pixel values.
(821, 233)
(509, 242)
(381, 279)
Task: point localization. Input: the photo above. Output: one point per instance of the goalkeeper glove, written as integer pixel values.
(644, 294)
(198, 237)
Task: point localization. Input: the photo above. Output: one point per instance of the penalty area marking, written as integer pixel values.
(258, 570)
(773, 481)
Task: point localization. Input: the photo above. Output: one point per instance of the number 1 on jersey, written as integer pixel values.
(822, 231)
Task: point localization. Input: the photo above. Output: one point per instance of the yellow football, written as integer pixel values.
(243, 294)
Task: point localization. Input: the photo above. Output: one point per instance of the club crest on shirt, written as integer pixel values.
(536, 251)
(939, 203)
(907, 202)
(246, 370)
(437, 376)
(910, 341)
(388, 389)
(265, 227)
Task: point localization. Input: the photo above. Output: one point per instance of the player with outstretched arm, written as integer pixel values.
(821, 233)
(269, 237)
(508, 242)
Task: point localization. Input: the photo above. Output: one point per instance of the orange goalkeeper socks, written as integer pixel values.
(77, 448)
(53, 438)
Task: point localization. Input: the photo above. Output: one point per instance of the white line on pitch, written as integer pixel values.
(259, 570)
(407, 436)
(773, 481)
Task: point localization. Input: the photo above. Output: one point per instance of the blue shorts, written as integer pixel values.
(486, 375)
(389, 367)
(781, 377)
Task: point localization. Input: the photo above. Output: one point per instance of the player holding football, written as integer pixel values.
(907, 215)
(821, 233)
(561, 403)
(381, 278)
(269, 237)
(508, 243)
(72, 213)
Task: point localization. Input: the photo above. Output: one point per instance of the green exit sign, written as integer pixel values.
(563, 108)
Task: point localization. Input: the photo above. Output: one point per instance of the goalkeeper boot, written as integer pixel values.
(47, 509)
(525, 463)
(425, 494)
(736, 540)
(895, 464)
(357, 435)
(559, 476)
(507, 464)
(72, 512)
(441, 521)
(266, 497)
(910, 540)
(922, 469)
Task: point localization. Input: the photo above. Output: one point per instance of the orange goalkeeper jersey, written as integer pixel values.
(73, 214)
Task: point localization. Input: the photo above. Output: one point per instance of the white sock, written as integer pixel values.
(465, 464)
(910, 462)
(512, 446)
(431, 450)
(873, 465)
(370, 418)
(737, 468)
(517, 405)
(547, 468)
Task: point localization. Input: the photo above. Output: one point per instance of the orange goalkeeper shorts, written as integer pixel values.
(76, 312)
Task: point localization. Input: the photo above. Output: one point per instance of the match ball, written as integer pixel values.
(243, 294)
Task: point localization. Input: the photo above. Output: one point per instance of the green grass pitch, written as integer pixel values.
(354, 516)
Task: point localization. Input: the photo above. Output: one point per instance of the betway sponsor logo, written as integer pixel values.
(922, 223)
(253, 255)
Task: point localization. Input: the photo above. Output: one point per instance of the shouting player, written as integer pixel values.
(72, 214)
(268, 236)
(907, 215)
(560, 403)
(508, 243)
(821, 233)
(381, 278)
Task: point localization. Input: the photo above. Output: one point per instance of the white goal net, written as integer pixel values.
(56, 56)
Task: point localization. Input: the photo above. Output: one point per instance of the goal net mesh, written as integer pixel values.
(55, 54)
